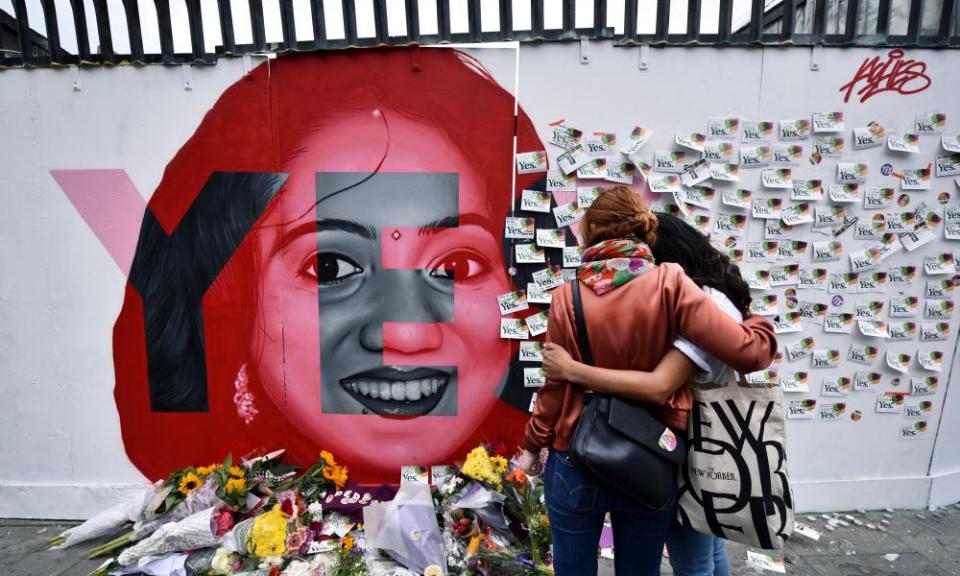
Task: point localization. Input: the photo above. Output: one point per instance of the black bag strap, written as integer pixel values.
(583, 341)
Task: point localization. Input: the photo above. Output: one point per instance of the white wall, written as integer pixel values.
(60, 291)
(835, 465)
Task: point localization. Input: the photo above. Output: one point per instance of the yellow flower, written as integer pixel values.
(236, 472)
(474, 545)
(269, 534)
(189, 482)
(499, 464)
(336, 474)
(341, 477)
(327, 458)
(204, 471)
(347, 542)
(480, 467)
(235, 485)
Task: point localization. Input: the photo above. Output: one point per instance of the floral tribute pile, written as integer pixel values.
(261, 517)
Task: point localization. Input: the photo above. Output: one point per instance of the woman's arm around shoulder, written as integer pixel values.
(673, 371)
(745, 347)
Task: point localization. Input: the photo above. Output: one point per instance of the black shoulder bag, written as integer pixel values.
(620, 443)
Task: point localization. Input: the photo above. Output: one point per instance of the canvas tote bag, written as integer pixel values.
(734, 483)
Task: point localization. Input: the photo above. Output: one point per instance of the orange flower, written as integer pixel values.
(518, 477)
(347, 542)
(341, 477)
(336, 474)
(329, 473)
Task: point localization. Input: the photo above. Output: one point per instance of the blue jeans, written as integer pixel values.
(695, 554)
(576, 506)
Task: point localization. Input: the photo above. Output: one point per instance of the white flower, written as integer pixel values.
(297, 568)
(451, 485)
(323, 564)
(222, 563)
(316, 510)
(269, 561)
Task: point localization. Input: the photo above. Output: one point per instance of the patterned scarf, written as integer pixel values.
(613, 263)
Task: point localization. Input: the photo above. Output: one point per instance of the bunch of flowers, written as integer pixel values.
(257, 516)
(260, 516)
(494, 518)
(480, 466)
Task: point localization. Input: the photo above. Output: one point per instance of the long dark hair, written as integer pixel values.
(683, 244)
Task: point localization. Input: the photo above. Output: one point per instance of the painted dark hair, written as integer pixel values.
(683, 244)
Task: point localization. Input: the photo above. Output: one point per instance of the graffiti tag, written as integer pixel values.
(895, 74)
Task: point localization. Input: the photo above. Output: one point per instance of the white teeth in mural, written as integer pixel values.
(409, 391)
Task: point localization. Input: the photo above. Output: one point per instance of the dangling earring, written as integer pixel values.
(243, 398)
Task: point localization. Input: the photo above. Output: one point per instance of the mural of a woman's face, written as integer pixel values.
(319, 269)
(399, 262)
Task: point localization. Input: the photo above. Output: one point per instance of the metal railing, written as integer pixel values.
(906, 23)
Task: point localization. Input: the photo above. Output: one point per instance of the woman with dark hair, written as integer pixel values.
(317, 265)
(691, 553)
(635, 310)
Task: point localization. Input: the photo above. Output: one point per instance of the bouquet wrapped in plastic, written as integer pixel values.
(109, 521)
(406, 528)
(199, 530)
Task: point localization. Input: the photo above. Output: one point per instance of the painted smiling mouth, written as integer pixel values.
(390, 391)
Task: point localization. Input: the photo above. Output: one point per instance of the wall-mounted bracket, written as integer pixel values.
(186, 73)
(815, 57)
(584, 50)
(644, 56)
(75, 78)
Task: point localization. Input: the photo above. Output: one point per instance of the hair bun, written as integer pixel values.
(644, 225)
(618, 212)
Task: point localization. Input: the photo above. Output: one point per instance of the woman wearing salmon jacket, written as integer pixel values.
(634, 309)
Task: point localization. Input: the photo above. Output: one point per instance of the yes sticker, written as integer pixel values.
(832, 412)
(866, 381)
(794, 382)
(898, 361)
(863, 354)
(852, 172)
(924, 386)
(530, 351)
(535, 201)
(903, 142)
(635, 140)
(557, 181)
(791, 130)
(801, 409)
(723, 128)
(825, 358)
(890, 402)
(828, 122)
(800, 349)
(931, 360)
(756, 130)
(530, 162)
(836, 386)
(914, 431)
(513, 329)
(512, 302)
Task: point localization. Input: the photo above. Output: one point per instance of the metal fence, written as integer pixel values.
(907, 23)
